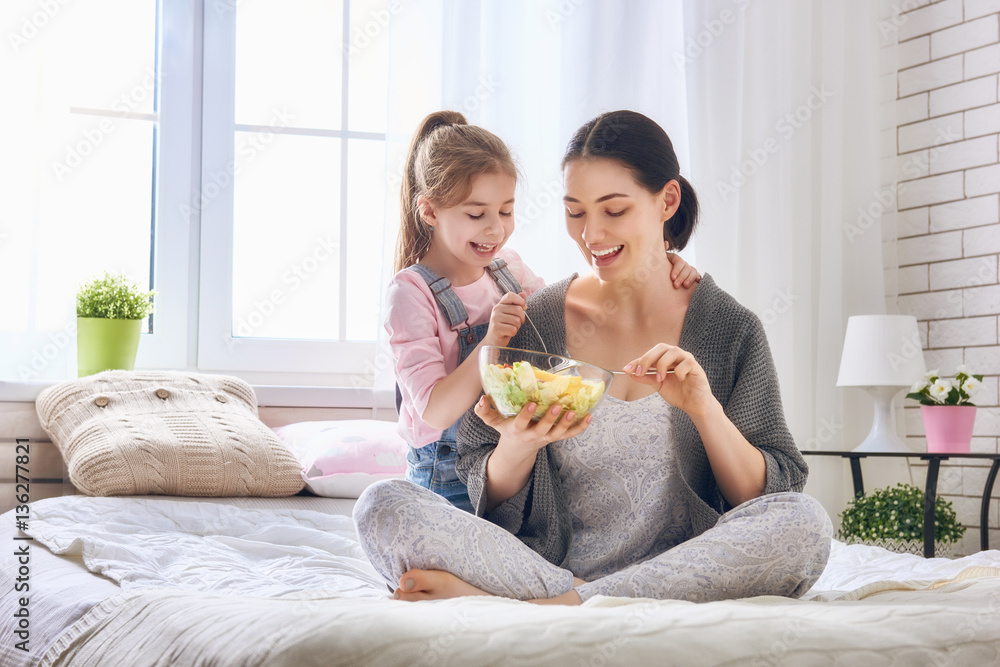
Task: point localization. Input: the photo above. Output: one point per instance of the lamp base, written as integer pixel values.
(883, 445)
(882, 436)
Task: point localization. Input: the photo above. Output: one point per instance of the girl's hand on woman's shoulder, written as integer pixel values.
(524, 436)
(681, 273)
(686, 387)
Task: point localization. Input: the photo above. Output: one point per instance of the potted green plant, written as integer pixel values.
(947, 412)
(893, 518)
(109, 314)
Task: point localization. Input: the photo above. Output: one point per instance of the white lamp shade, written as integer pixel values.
(881, 351)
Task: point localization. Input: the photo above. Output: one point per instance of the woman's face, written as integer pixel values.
(616, 222)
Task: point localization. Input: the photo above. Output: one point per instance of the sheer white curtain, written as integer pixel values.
(784, 101)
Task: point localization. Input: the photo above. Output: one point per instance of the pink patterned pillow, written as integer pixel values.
(340, 459)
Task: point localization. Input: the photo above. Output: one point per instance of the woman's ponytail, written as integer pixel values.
(678, 229)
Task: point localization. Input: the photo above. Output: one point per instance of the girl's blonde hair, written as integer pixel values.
(446, 154)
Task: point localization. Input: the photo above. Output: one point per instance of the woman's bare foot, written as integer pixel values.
(417, 585)
(433, 585)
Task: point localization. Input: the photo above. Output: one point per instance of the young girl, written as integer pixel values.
(456, 287)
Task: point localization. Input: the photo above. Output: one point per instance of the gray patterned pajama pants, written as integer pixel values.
(777, 544)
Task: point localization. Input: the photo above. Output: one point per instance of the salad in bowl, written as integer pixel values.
(512, 378)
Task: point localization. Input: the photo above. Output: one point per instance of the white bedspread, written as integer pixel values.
(209, 547)
(202, 579)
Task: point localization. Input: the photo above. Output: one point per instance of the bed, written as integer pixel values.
(159, 580)
(126, 575)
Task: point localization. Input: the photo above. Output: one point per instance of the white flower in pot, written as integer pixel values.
(947, 411)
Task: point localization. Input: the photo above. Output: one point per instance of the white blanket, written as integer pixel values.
(201, 582)
(209, 547)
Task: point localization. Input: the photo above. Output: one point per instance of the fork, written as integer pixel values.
(633, 374)
(528, 320)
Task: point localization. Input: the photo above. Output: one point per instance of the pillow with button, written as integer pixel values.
(339, 459)
(165, 432)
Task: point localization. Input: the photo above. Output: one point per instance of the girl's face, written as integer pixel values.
(616, 222)
(467, 236)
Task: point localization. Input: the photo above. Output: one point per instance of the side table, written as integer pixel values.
(933, 465)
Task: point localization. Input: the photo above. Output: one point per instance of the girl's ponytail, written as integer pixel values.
(414, 235)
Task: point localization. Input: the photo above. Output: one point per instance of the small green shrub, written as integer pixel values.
(897, 513)
(113, 297)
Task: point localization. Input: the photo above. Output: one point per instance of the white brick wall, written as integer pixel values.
(948, 223)
(932, 75)
(931, 190)
(971, 212)
(984, 120)
(968, 35)
(982, 61)
(975, 93)
(963, 273)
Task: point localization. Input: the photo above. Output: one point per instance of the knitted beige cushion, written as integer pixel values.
(156, 432)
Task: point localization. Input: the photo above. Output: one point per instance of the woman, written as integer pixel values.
(682, 484)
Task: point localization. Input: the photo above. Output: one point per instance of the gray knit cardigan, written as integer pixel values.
(728, 341)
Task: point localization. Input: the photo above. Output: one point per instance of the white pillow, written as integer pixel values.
(340, 459)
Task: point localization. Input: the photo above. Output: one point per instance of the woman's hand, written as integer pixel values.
(506, 319)
(686, 387)
(681, 273)
(522, 437)
(509, 466)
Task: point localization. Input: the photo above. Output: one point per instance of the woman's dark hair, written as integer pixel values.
(642, 146)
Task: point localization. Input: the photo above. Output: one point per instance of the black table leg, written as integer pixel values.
(930, 496)
(984, 512)
(859, 483)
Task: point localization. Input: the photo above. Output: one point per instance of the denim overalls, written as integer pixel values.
(433, 466)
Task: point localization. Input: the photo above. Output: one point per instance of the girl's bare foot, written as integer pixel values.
(433, 585)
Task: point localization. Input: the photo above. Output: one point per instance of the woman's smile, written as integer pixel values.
(605, 255)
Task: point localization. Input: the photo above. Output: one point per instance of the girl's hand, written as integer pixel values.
(505, 320)
(686, 388)
(682, 273)
(524, 437)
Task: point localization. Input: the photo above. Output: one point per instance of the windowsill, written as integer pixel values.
(15, 391)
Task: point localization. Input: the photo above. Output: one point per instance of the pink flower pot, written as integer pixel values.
(948, 427)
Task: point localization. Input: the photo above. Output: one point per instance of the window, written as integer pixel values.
(223, 179)
(293, 186)
(84, 191)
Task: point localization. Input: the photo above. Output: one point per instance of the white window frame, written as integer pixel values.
(327, 362)
(167, 345)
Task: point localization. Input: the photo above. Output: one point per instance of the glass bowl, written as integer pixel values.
(512, 378)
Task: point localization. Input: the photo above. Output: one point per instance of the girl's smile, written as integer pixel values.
(467, 236)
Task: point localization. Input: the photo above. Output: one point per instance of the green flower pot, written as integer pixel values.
(104, 344)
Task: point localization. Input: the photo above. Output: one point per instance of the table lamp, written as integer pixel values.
(882, 354)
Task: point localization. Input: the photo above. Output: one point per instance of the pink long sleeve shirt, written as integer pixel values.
(423, 344)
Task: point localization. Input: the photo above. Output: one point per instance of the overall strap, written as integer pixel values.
(450, 304)
(503, 277)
